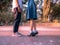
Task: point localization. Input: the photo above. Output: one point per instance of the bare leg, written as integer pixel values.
(33, 28)
(31, 25)
(34, 25)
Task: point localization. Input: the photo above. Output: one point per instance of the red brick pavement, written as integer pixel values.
(43, 29)
(6, 37)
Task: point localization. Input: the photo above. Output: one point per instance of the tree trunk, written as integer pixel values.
(46, 9)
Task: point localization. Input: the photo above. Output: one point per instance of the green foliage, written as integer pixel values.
(5, 11)
(4, 4)
(6, 17)
(56, 11)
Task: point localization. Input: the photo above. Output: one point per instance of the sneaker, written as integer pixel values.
(33, 33)
(17, 34)
(36, 32)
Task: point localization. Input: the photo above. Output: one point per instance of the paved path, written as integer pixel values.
(38, 40)
(8, 30)
(42, 28)
(48, 35)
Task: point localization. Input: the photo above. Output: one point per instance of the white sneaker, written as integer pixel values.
(17, 34)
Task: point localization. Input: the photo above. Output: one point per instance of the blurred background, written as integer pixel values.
(48, 11)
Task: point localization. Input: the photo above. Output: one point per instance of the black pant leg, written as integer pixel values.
(17, 21)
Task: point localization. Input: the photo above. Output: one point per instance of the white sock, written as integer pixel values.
(34, 31)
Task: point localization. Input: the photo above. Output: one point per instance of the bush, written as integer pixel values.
(56, 11)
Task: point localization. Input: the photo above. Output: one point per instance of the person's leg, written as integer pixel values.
(34, 27)
(16, 23)
(31, 25)
(33, 31)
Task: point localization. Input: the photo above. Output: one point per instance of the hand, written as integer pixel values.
(14, 10)
(19, 9)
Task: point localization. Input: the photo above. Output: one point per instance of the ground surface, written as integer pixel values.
(48, 35)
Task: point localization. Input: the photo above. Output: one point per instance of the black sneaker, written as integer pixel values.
(33, 33)
(36, 32)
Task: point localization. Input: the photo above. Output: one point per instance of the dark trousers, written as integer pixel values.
(17, 21)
